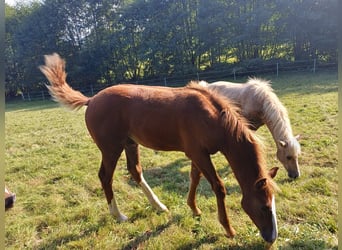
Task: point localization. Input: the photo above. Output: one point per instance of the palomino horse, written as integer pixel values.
(260, 105)
(189, 119)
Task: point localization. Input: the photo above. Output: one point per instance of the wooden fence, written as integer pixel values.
(275, 68)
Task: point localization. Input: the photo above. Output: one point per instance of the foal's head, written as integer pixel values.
(247, 161)
(258, 202)
(244, 153)
(287, 153)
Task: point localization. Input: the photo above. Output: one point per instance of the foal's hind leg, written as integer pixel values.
(106, 172)
(134, 167)
(195, 176)
(204, 164)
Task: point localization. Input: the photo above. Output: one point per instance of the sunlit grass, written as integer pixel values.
(52, 165)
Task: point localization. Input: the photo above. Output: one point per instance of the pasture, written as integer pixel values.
(52, 166)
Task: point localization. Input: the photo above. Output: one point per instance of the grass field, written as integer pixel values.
(52, 165)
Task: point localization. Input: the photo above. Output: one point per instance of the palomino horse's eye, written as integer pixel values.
(289, 157)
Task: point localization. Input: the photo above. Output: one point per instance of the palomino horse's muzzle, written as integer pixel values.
(293, 174)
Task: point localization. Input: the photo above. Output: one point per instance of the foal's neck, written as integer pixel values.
(246, 162)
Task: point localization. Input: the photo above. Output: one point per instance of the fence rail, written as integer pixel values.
(312, 66)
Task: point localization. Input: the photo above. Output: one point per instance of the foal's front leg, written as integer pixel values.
(134, 167)
(205, 166)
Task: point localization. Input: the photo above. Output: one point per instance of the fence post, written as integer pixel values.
(314, 67)
(197, 76)
(92, 89)
(43, 95)
(234, 74)
(277, 69)
(165, 81)
(28, 96)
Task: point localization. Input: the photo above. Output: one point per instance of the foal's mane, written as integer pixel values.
(237, 125)
(233, 122)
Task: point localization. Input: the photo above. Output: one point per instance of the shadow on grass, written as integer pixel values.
(207, 240)
(171, 179)
(134, 244)
(196, 243)
(62, 240)
(305, 83)
(308, 244)
(305, 89)
(25, 106)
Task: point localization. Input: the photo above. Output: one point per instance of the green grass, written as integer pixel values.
(52, 165)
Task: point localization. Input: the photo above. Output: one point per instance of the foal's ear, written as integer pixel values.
(273, 172)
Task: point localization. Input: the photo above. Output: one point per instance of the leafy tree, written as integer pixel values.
(119, 40)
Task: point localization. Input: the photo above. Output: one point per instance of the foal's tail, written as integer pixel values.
(54, 70)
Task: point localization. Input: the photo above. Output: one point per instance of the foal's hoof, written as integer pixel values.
(196, 212)
(268, 245)
(231, 233)
(163, 208)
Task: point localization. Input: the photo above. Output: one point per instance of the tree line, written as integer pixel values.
(111, 41)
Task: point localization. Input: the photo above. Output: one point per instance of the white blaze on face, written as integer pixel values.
(274, 218)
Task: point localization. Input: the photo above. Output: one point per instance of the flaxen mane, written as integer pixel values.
(260, 105)
(233, 121)
(232, 115)
(274, 110)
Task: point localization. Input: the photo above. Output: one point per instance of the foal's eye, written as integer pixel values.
(289, 157)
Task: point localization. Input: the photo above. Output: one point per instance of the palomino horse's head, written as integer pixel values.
(287, 153)
(259, 204)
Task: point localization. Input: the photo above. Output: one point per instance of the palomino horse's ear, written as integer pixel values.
(273, 172)
(297, 137)
(260, 183)
(282, 143)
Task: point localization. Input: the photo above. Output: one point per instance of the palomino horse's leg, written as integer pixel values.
(106, 172)
(134, 167)
(195, 176)
(204, 164)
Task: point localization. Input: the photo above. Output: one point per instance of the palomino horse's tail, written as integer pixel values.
(54, 70)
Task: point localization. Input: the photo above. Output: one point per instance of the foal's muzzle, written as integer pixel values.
(271, 234)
